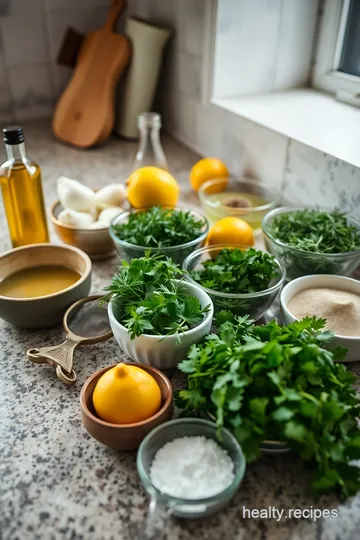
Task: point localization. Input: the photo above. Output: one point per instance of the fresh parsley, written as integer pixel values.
(148, 300)
(237, 271)
(279, 383)
(160, 227)
(316, 231)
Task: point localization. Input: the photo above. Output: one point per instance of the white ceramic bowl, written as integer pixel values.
(332, 282)
(163, 352)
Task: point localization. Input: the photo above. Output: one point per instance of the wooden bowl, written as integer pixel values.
(43, 311)
(95, 242)
(124, 436)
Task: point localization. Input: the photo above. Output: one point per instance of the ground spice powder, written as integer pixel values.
(341, 309)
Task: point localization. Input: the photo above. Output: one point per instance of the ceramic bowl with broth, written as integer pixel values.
(38, 283)
(247, 199)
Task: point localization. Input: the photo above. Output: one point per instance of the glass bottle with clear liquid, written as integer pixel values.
(150, 150)
(20, 181)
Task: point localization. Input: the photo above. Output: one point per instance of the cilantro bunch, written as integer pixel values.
(159, 227)
(148, 300)
(237, 271)
(316, 231)
(280, 383)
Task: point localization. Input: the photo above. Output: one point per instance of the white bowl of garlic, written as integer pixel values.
(82, 216)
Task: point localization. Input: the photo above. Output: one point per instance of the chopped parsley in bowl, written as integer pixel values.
(238, 278)
(174, 232)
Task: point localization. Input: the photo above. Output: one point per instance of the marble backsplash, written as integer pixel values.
(30, 81)
(301, 174)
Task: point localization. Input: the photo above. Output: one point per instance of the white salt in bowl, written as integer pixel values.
(188, 427)
(323, 281)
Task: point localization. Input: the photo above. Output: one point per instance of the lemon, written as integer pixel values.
(152, 186)
(126, 394)
(230, 230)
(206, 169)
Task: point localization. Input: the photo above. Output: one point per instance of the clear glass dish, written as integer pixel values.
(178, 253)
(253, 304)
(219, 198)
(299, 263)
(188, 427)
(267, 447)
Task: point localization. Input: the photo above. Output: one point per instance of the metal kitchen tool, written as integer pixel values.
(85, 323)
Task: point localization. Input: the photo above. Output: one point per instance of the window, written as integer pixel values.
(337, 62)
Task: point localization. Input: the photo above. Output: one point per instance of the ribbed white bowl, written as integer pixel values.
(163, 352)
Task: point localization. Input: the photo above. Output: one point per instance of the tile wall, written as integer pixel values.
(30, 81)
(31, 32)
(302, 174)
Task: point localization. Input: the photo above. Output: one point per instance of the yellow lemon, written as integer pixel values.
(126, 394)
(152, 186)
(230, 230)
(206, 169)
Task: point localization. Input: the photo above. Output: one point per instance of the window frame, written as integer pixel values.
(332, 30)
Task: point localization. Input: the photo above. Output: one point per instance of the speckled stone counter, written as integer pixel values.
(56, 482)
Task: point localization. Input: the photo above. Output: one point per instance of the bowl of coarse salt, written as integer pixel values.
(188, 471)
(334, 298)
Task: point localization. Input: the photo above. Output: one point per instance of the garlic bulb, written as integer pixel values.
(81, 220)
(99, 225)
(75, 196)
(111, 195)
(109, 213)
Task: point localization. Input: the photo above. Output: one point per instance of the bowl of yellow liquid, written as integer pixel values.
(39, 282)
(244, 198)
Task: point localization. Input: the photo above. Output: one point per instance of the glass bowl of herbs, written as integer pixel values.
(172, 232)
(313, 240)
(241, 279)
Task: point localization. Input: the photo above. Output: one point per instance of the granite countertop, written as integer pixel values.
(56, 482)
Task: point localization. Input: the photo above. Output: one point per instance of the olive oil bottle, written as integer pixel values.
(20, 180)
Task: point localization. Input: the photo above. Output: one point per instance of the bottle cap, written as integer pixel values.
(13, 135)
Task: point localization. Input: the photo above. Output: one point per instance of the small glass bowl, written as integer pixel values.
(253, 304)
(302, 263)
(188, 427)
(267, 447)
(178, 253)
(212, 195)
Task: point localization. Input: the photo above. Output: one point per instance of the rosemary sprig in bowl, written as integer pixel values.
(313, 240)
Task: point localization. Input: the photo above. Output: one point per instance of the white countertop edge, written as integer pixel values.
(305, 115)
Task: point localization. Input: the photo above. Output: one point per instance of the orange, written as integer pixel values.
(126, 394)
(230, 230)
(152, 186)
(206, 169)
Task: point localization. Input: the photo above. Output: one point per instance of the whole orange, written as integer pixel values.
(126, 394)
(152, 186)
(230, 230)
(206, 169)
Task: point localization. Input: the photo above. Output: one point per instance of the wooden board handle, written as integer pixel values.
(117, 7)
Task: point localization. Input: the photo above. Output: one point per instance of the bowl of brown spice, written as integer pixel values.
(334, 298)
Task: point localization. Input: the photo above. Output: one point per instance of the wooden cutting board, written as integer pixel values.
(85, 115)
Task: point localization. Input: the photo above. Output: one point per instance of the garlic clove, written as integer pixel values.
(81, 220)
(75, 196)
(111, 195)
(99, 225)
(109, 213)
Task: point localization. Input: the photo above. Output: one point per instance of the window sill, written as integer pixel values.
(307, 116)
